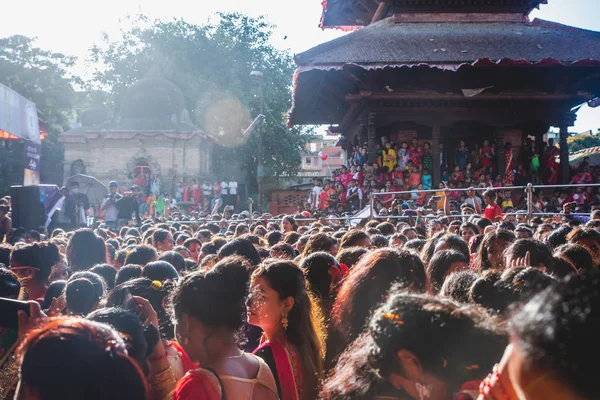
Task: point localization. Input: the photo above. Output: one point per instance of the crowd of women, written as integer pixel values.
(408, 167)
(300, 310)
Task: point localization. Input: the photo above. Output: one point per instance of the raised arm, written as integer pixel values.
(475, 202)
(446, 201)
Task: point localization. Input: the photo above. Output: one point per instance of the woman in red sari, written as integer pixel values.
(292, 343)
(551, 164)
(415, 152)
(209, 311)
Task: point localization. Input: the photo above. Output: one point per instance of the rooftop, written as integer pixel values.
(429, 59)
(152, 106)
(348, 14)
(391, 43)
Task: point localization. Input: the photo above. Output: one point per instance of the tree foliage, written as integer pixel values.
(580, 142)
(211, 64)
(41, 76)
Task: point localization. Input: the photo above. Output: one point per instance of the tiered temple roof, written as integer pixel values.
(352, 14)
(446, 69)
(451, 45)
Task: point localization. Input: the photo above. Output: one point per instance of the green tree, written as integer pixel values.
(41, 76)
(580, 142)
(211, 64)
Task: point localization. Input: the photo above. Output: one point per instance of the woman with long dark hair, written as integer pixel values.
(209, 310)
(288, 224)
(416, 347)
(553, 344)
(491, 251)
(323, 274)
(364, 287)
(293, 340)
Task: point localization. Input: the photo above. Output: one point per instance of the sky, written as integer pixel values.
(73, 26)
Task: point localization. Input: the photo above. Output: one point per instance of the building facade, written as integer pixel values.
(314, 161)
(446, 71)
(150, 136)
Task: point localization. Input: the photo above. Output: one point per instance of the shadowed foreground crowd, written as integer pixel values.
(451, 309)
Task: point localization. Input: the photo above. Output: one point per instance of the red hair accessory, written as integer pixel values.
(344, 269)
(338, 272)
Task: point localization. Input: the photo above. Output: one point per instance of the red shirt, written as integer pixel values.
(454, 194)
(458, 176)
(486, 160)
(396, 175)
(492, 211)
(323, 199)
(387, 197)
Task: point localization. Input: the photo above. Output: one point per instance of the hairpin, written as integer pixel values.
(156, 285)
(393, 317)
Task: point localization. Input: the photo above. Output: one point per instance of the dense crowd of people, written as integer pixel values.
(431, 307)
(408, 167)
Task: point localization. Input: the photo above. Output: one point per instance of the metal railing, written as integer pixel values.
(529, 191)
(529, 212)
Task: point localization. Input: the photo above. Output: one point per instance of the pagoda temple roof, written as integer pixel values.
(450, 44)
(328, 73)
(352, 14)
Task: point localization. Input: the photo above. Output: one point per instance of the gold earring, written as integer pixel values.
(185, 341)
(284, 320)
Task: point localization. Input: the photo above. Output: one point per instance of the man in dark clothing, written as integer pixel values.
(129, 205)
(76, 206)
(5, 222)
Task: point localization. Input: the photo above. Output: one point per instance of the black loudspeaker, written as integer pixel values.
(26, 207)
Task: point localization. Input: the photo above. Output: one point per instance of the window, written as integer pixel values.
(308, 160)
(313, 147)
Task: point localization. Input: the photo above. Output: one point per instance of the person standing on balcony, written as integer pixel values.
(389, 157)
(462, 155)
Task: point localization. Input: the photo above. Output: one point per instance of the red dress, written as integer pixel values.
(287, 368)
(552, 166)
(388, 198)
(196, 194)
(458, 177)
(197, 385)
(486, 156)
(397, 175)
(415, 154)
(492, 211)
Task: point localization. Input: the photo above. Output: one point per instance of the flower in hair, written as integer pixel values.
(338, 272)
(344, 269)
(156, 285)
(393, 317)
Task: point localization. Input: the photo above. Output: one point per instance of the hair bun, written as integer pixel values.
(80, 295)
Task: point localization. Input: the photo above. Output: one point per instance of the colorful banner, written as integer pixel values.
(32, 164)
(18, 116)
